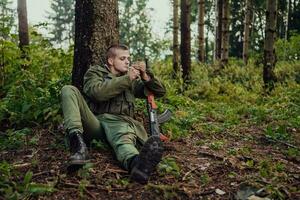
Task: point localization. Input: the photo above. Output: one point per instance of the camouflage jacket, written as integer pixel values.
(107, 93)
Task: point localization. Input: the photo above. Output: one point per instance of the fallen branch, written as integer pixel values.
(117, 171)
(89, 193)
(207, 154)
(208, 192)
(42, 173)
(281, 142)
(21, 165)
(186, 174)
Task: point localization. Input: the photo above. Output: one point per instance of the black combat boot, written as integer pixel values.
(142, 165)
(79, 152)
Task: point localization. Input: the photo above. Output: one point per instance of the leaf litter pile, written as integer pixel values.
(242, 164)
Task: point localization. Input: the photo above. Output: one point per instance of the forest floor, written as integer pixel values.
(233, 165)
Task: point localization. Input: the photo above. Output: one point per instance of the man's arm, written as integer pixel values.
(141, 87)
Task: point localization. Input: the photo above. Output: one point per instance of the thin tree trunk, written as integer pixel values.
(286, 32)
(247, 31)
(218, 43)
(23, 25)
(225, 32)
(215, 31)
(201, 48)
(96, 28)
(185, 45)
(175, 37)
(269, 50)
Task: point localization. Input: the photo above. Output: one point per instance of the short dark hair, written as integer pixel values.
(111, 51)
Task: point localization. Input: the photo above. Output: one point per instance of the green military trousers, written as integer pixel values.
(120, 131)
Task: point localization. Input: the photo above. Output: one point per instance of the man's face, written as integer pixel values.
(120, 63)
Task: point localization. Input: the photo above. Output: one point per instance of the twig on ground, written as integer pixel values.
(89, 193)
(20, 165)
(208, 192)
(116, 170)
(281, 142)
(204, 153)
(42, 173)
(190, 171)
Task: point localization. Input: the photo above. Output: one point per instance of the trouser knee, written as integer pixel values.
(69, 90)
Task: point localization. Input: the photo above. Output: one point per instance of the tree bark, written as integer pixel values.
(185, 45)
(218, 34)
(201, 47)
(247, 31)
(288, 16)
(96, 28)
(225, 33)
(269, 50)
(23, 24)
(175, 37)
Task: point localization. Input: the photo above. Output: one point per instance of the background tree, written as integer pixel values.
(96, 28)
(62, 20)
(185, 45)
(269, 50)
(218, 29)
(237, 16)
(6, 25)
(23, 25)
(225, 32)
(209, 23)
(136, 30)
(6, 19)
(201, 14)
(294, 22)
(257, 33)
(175, 37)
(247, 25)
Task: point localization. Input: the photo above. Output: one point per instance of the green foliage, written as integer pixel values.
(288, 50)
(14, 139)
(30, 89)
(205, 179)
(279, 133)
(217, 145)
(217, 101)
(99, 145)
(82, 187)
(12, 189)
(84, 172)
(6, 19)
(164, 191)
(292, 152)
(168, 165)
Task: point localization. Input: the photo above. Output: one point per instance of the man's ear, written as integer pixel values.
(110, 61)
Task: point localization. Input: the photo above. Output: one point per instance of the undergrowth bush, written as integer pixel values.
(214, 101)
(30, 87)
(217, 100)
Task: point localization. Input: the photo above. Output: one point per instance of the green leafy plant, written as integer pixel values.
(168, 165)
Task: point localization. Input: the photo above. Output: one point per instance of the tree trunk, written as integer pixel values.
(247, 31)
(201, 48)
(23, 25)
(269, 50)
(175, 37)
(218, 33)
(288, 16)
(185, 45)
(225, 33)
(96, 28)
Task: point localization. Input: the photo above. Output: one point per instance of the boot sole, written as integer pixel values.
(150, 155)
